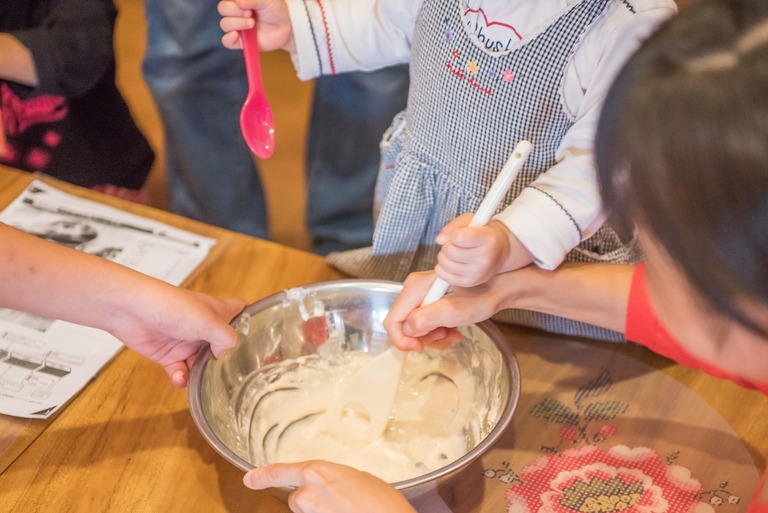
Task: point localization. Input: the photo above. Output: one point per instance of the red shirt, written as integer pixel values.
(644, 327)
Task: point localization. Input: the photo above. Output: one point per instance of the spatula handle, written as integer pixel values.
(488, 206)
(501, 185)
(436, 291)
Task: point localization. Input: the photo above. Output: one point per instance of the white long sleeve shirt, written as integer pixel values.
(562, 207)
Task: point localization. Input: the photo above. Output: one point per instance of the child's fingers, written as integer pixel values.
(400, 339)
(445, 343)
(254, 5)
(458, 254)
(460, 274)
(445, 234)
(232, 41)
(414, 290)
(466, 237)
(277, 474)
(424, 323)
(178, 372)
(231, 9)
(461, 268)
(468, 277)
(441, 338)
(235, 23)
(454, 258)
(450, 270)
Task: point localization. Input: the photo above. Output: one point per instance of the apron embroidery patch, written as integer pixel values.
(470, 70)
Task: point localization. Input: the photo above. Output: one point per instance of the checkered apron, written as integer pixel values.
(467, 109)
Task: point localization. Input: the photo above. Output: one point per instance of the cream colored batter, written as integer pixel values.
(284, 418)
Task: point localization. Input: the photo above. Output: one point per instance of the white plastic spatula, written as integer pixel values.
(366, 399)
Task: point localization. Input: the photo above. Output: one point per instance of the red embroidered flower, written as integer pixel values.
(455, 54)
(51, 138)
(569, 433)
(18, 115)
(37, 158)
(588, 479)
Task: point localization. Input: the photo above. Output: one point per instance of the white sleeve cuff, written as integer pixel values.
(542, 225)
(307, 60)
(350, 35)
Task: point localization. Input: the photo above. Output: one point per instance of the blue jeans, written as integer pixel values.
(350, 113)
(199, 88)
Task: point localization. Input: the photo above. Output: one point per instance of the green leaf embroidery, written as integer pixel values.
(594, 388)
(604, 410)
(555, 411)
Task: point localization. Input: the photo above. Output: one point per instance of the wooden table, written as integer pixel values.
(128, 443)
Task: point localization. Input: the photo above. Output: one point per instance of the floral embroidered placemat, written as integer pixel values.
(596, 431)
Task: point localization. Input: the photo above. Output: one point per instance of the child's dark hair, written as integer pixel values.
(682, 149)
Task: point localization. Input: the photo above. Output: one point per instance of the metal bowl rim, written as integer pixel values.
(493, 332)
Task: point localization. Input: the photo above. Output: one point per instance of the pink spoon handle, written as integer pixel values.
(251, 56)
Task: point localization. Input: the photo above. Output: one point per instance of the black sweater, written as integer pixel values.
(74, 125)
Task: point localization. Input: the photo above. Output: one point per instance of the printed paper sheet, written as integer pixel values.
(45, 362)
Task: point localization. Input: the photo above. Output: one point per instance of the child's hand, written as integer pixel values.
(399, 325)
(471, 256)
(325, 487)
(411, 326)
(274, 24)
(171, 325)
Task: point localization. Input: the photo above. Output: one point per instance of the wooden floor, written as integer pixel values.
(282, 174)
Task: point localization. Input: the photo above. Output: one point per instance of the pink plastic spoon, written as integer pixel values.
(256, 115)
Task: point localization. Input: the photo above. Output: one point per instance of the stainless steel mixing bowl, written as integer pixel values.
(299, 322)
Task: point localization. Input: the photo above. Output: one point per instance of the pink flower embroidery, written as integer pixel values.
(589, 480)
(37, 158)
(472, 67)
(569, 433)
(51, 138)
(507, 75)
(18, 115)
